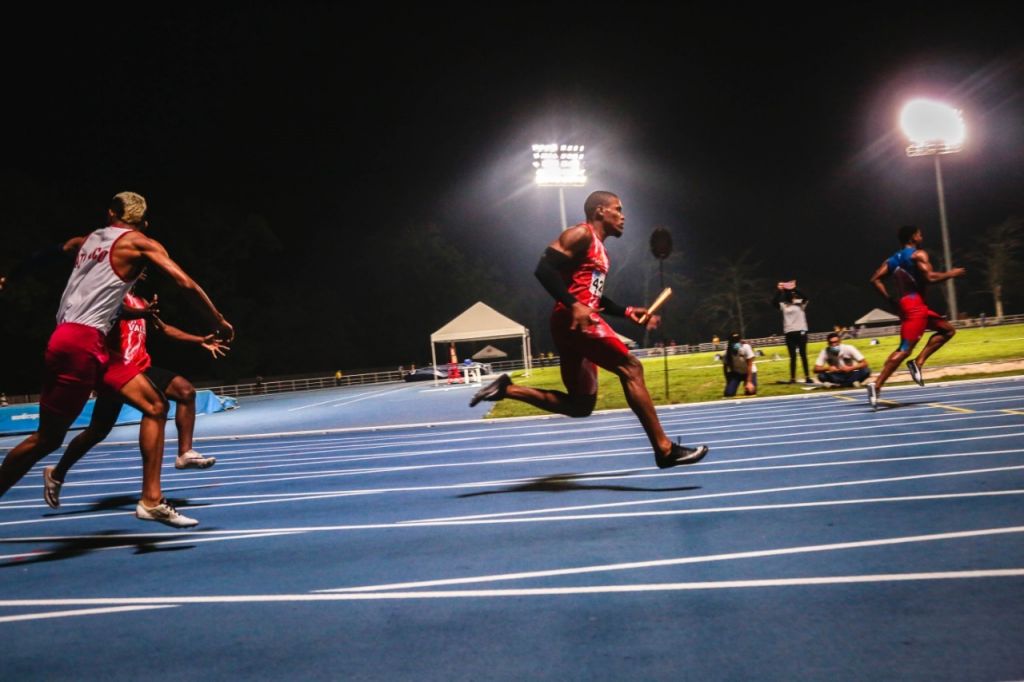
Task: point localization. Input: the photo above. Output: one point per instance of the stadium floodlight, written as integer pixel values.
(935, 129)
(561, 166)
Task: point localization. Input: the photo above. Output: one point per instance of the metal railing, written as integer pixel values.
(309, 383)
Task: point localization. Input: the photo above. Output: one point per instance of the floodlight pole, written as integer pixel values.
(950, 288)
(935, 129)
(561, 208)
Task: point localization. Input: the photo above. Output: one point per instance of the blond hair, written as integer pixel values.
(129, 207)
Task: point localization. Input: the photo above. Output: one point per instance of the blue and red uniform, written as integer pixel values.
(911, 284)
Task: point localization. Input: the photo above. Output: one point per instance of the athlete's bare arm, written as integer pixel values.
(210, 342)
(73, 244)
(134, 250)
(925, 266)
(876, 280)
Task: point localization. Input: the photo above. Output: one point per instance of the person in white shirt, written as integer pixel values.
(841, 364)
(738, 364)
(792, 302)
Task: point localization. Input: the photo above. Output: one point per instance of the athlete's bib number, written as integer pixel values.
(597, 285)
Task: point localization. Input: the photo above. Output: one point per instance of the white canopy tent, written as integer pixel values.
(489, 353)
(478, 323)
(878, 316)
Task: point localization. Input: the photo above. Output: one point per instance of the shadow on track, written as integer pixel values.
(70, 548)
(559, 483)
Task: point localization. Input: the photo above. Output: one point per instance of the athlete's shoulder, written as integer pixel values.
(577, 239)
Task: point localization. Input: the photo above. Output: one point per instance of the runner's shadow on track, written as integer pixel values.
(560, 483)
(70, 548)
(885, 404)
(118, 502)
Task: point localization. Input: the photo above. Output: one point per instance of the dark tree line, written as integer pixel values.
(309, 296)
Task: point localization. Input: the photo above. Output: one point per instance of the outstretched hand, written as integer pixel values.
(216, 347)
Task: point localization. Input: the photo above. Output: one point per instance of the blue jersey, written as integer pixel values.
(907, 277)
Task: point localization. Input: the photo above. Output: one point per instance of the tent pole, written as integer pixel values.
(433, 359)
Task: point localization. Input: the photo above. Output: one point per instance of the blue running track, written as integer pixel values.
(390, 533)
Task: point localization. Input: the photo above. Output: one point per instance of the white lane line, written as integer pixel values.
(699, 411)
(465, 435)
(405, 525)
(83, 612)
(184, 540)
(713, 510)
(739, 493)
(347, 400)
(235, 478)
(679, 561)
(264, 533)
(595, 476)
(530, 592)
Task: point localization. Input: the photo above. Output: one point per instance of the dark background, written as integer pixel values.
(342, 186)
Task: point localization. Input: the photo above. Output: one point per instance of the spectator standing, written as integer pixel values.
(793, 304)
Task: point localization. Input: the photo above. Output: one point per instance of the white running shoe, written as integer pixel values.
(164, 513)
(873, 396)
(915, 372)
(193, 460)
(51, 488)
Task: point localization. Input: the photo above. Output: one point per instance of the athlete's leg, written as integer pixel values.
(52, 429)
(580, 379)
(553, 401)
(72, 363)
(183, 393)
(944, 331)
(631, 375)
(894, 360)
(140, 394)
(104, 416)
(914, 316)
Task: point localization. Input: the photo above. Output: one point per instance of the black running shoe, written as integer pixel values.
(680, 455)
(915, 373)
(492, 391)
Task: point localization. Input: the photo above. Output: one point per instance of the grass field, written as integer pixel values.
(698, 377)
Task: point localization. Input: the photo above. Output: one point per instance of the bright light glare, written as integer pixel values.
(559, 165)
(932, 127)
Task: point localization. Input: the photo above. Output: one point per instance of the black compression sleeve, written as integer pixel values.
(612, 308)
(547, 273)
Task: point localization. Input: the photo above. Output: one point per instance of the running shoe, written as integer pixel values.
(165, 514)
(680, 455)
(193, 460)
(51, 488)
(873, 396)
(492, 391)
(915, 373)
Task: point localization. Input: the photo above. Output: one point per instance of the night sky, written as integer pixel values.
(342, 187)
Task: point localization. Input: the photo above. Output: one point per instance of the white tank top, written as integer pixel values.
(94, 292)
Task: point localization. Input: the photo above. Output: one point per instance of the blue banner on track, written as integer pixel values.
(16, 419)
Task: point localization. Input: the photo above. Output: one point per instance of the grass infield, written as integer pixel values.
(698, 377)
